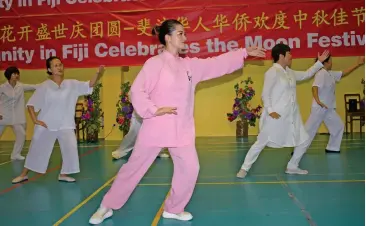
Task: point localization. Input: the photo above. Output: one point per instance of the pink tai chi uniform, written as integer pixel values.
(168, 81)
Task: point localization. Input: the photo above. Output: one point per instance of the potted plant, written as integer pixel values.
(242, 109)
(124, 109)
(92, 115)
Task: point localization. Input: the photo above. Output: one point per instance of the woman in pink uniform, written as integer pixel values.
(163, 95)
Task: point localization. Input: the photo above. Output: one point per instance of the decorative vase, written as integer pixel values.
(92, 137)
(242, 128)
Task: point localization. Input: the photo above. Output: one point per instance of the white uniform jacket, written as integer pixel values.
(279, 95)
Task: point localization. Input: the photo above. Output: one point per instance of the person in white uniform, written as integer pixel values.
(280, 123)
(12, 110)
(324, 106)
(56, 100)
(129, 140)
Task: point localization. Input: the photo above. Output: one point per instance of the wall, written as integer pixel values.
(213, 97)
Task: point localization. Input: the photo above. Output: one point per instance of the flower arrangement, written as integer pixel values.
(91, 117)
(124, 109)
(241, 107)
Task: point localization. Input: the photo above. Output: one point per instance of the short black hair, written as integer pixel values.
(48, 63)
(279, 49)
(11, 70)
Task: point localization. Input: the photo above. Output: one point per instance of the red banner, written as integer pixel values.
(116, 33)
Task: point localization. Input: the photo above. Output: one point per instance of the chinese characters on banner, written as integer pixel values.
(124, 38)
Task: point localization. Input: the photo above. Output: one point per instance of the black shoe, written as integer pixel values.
(329, 151)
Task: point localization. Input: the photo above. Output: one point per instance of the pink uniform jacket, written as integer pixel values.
(166, 80)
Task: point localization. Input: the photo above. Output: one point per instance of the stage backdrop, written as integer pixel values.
(87, 33)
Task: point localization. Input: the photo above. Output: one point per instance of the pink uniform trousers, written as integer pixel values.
(186, 169)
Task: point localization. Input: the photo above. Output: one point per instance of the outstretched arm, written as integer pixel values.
(226, 63)
(360, 61)
(97, 76)
(29, 87)
(303, 75)
(86, 88)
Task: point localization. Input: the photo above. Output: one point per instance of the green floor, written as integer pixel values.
(333, 194)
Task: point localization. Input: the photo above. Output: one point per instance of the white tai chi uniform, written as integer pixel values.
(326, 82)
(129, 140)
(57, 110)
(13, 112)
(279, 95)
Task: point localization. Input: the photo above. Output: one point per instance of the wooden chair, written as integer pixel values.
(79, 110)
(353, 111)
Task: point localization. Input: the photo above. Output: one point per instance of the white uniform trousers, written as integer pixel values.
(19, 131)
(317, 116)
(129, 140)
(41, 147)
(332, 121)
(258, 147)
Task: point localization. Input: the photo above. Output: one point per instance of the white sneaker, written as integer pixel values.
(296, 171)
(100, 215)
(241, 174)
(19, 179)
(118, 154)
(66, 179)
(18, 157)
(184, 216)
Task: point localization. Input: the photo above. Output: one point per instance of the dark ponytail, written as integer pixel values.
(155, 30)
(166, 28)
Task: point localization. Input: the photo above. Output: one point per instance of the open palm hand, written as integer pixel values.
(256, 51)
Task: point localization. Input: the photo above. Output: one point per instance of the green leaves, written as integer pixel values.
(124, 108)
(92, 115)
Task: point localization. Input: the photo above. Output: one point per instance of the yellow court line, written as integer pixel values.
(84, 202)
(160, 212)
(5, 162)
(197, 144)
(262, 182)
(266, 175)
